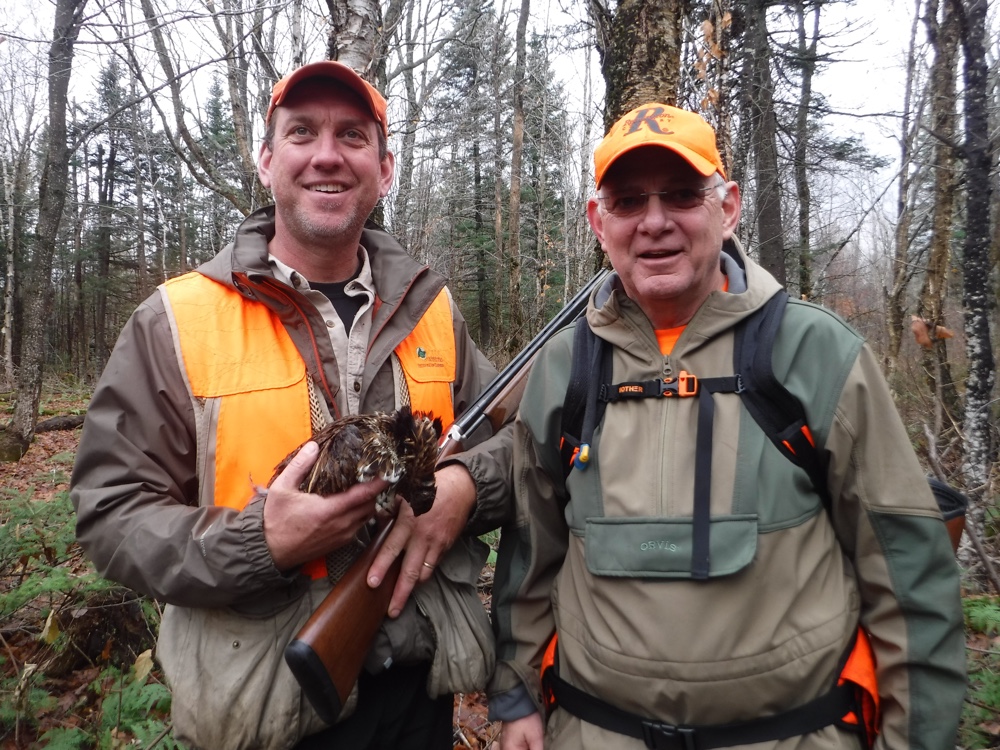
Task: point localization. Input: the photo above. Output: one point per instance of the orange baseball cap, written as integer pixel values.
(653, 124)
(338, 72)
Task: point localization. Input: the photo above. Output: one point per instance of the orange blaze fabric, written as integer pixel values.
(237, 351)
(860, 670)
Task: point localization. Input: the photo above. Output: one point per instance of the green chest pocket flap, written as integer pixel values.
(664, 547)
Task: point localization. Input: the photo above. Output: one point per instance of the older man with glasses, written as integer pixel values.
(647, 597)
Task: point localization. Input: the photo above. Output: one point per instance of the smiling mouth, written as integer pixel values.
(330, 189)
(656, 254)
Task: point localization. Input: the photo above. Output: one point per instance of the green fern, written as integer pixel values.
(982, 614)
(130, 708)
(62, 738)
(983, 703)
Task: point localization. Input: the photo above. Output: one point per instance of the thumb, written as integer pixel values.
(292, 475)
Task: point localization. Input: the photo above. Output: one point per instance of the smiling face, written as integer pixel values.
(324, 171)
(667, 256)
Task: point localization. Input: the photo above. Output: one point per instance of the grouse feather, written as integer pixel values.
(400, 447)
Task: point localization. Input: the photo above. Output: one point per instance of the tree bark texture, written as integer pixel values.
(979, 452)
(51, 200)
(640, 48)
(770, 230)
(943, 30)
(353, 37)
(902, 270)
(517, 332)
(807, 65)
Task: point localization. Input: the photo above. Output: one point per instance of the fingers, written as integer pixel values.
(297, 468)
(299, 526)
(394, 545)
(526, 733)
(423, 541)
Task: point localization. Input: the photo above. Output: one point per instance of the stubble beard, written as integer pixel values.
(311, 230)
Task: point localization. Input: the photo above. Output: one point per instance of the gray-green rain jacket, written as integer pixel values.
(789, 583)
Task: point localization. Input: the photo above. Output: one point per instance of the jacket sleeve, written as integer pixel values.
(135, 487)
(533, 544)
(487, 456)
(892, 531)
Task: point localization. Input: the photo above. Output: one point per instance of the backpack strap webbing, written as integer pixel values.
(778, 412)
(582, 407)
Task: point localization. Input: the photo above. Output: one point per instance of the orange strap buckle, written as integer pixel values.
(684, 384)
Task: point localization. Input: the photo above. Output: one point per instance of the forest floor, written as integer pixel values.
(43, 474)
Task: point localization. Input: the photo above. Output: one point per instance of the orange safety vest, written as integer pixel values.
(858, 670)
(236, 351)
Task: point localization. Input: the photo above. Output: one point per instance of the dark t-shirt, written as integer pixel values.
(347, 306)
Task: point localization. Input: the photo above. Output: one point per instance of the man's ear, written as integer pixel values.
(387, 170)
(731, 208)
(264, 165)
(595, 218)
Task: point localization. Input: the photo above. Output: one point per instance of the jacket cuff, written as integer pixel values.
(489, 463)
(261, 564)
(511, 705)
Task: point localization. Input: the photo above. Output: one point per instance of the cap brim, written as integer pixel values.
(700, 164)
(336, 71)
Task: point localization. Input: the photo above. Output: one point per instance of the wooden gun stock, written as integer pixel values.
(327, 654)
(329, 651)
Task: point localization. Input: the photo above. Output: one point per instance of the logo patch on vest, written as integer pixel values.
(427, 359)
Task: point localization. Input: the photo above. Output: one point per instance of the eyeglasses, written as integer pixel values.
(630, 204)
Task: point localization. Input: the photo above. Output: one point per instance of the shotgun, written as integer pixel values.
(327, 654)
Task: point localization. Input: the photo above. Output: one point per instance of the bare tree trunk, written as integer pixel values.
(517, 332)
(640, 48)
(482, 282)
(107, 172)
(17, 436)
(770, 229)
(353, 34)
(944, 39)
(902, 271)
(499, 243)
(807, 64)
(296, 26)
(9, 181)
(979, 384)
(230, 27)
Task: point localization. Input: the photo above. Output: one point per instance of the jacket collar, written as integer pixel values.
(247, 256)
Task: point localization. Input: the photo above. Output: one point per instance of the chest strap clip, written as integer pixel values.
(684, 384)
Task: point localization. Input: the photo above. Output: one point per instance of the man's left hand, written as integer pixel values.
(423, 540)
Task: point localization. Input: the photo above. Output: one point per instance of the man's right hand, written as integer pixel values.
(299, 526)
(526, 733)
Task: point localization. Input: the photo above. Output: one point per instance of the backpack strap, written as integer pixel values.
(778, 412)
(582, 407)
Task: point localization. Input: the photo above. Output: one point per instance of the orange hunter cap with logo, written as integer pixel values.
(685, 133)
(338, 72)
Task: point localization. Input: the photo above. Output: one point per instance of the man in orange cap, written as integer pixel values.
(310, 314)
(680, 582)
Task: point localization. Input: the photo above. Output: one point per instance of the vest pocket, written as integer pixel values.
(661, 548)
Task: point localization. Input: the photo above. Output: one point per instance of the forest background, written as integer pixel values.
(128, 140)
